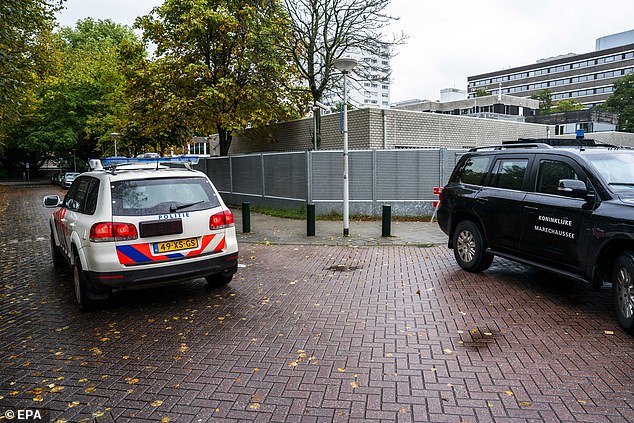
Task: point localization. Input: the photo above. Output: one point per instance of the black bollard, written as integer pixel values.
(246, 218)
(387, 221)
(310, 219)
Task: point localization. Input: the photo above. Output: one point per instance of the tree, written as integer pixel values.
(567, 105)
(220, 65)
(25, 40)
(82, 103)
(622, 102)
(325, 30)
(481, 92)
(545, 100)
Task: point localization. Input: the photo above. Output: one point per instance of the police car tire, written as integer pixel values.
(58, 258)
(623, 290)
(218, 280)
(469, 247)
(81, 291)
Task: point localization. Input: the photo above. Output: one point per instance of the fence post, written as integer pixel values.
(262, 173)
(386, 229)
(310, 219)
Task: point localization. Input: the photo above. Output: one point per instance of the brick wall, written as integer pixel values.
(403, 129)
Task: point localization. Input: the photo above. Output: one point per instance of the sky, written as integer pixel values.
(450, 40)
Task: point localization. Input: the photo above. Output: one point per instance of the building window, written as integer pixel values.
(385, 87)
(586, 126)
(604, 90)
(608, 59)
(629, 55)
(583, 64)
(558, 82)
(559, 129)
(559, 68)
(582, 78)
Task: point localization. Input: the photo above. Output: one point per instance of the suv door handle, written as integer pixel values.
(531, 209)
(482, 200)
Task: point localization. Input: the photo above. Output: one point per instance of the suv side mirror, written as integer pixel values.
(572, 188)
(51, 201)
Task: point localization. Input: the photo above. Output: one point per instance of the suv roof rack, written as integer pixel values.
(557, 142)
(510, 145)
(111, 163)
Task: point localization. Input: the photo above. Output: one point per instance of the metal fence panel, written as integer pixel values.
(218, 170)
(285, 175)
(407, 174)
(247, 174)
(327, 175)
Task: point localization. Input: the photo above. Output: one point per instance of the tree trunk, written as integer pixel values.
(225, 141)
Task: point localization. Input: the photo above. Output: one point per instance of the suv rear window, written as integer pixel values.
(473, 171)
(162, 196)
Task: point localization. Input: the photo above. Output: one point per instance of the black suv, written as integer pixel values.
(563, 208)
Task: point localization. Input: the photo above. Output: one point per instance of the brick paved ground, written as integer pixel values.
(291, 340)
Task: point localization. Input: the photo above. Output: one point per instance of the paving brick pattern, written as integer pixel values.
(310, 334)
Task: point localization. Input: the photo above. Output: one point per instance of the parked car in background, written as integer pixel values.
(131, 222)
(68, 178)
(567, 209)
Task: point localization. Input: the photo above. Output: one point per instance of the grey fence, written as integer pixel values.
(405, 179)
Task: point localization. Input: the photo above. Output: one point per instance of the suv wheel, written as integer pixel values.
(469, 247)
(58, 258)
(623, 289)
(81, 291)
(218, 280)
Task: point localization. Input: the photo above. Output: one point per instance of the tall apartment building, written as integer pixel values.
(369, 82)
(587, 78)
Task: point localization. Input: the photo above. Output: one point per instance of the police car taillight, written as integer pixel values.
(221, 220)
(112, 231)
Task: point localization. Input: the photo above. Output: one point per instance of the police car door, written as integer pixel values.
(499, 202)
(553, 220)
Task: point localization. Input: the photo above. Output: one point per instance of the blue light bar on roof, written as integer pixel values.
(117, 161)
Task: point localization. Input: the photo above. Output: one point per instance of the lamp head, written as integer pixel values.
(345, 64)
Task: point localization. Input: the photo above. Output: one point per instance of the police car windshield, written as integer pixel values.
(616, 167)
(162, 196)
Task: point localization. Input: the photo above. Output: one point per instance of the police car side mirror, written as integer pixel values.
(51, 201)
(572, 188)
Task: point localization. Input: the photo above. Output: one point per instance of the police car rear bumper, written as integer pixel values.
(227, 265)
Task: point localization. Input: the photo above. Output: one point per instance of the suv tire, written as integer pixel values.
(623, 290)
(57, 257)
(81, 290)
(469, 247)
(218, 280)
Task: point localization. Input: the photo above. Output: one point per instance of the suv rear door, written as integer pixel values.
(499, 203)
(553, 221)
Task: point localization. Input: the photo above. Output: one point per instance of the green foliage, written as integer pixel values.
(82, 102)
(481, 92)
(219, 66)
(567, 105)
(622, 102)
(25, 58)
(545, 100)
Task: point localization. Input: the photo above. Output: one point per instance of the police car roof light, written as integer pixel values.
(118, 161)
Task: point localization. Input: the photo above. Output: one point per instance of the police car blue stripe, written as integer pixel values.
(133, 253)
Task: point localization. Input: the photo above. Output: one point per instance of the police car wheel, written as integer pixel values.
(79, 279)
(623, 289)
(218, 280)
(469, 247)
(58, 258)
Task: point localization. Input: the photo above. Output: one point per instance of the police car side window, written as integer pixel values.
(82, 197)
(509, 173)
(550, 172)
(473, 171)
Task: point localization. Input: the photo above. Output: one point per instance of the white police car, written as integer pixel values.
(131, 222)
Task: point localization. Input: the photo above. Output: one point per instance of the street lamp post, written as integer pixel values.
(115, 135)
(345, 65)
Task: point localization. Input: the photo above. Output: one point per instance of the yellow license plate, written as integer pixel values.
(179, 244)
